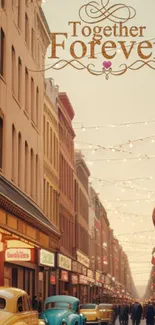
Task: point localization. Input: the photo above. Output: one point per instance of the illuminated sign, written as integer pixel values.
(46, 258)
(64, 276)
(84, 260)
(64, 262)
(18, 254)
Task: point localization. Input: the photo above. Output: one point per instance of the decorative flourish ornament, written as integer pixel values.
(107, 70)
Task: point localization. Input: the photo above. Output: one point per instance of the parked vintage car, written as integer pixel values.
(15, 308)
(106, 313)
(90, 311)
(97, 314)
(62, 310)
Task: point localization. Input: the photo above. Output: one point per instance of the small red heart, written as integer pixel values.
(107, 64)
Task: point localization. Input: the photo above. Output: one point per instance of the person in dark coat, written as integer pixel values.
(150, 314)
(124, 314)
(136, 313)
(34, 303)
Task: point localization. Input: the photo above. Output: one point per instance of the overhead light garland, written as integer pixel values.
(97, 127)
(115, 148)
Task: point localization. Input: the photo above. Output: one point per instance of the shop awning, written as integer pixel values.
(18, 199)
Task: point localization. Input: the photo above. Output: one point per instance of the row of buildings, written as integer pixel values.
(55, 236)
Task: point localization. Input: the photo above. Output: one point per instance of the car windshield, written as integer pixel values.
(60, 305)
(88, 306)
(102, 306)
(2, 303)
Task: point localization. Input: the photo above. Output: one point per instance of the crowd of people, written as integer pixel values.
(136, 312)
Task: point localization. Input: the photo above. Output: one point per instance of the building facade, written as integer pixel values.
(82, 224)
(66, 188)
(24, 38)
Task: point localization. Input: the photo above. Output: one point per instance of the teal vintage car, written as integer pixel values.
(62, 310)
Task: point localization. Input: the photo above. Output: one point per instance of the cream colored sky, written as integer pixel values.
(127, 98)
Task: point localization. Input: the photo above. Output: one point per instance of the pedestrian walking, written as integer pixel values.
(136, 313)
(124, 314)
(34, 303)
(150, 314)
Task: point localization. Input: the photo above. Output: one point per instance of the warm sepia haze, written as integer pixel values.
(98, 102)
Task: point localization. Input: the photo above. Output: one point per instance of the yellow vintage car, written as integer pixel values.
(97, 314)
(15, 308)
(106, 313)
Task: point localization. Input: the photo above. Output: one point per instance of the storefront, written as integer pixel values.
(64, 272)
(83, 266)
(83, 289)
(23, 230)
(18, 267)
(74, 282)
(47, 274)
(91, 279)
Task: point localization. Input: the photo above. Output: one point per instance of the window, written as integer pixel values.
(32, 99)
(26, 29)
(31, 174)
(13, 152)
(1, 142)
(2, 303)
(33, 42)
(19, 13)
(13, 69)
(44, 194)
(19, 158)
(2, 50)
(2, 4)
(26, 167)
(20, 305)
(44, 134)
(51, 145)
(37, 106)
(37, 176)
(47, 150)
(19, 79)
(26, 90)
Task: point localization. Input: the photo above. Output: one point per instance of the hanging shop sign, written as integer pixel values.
(75, 279)
(83, 279)
(64, 262)
(84, 260)
(79, 268)
(18, 254)
(64, 276)
(84, 270)
(74, 266)
(90, 274)
(98, 277)
(47, 258)
(91, 280)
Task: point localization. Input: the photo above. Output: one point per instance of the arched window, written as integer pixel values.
(19, 158)
(26, 90)
(13, 152)
(37, 107)
(37, 177)
(19, 79)
(2, 52)
(31, 172)
(13, 70)
(26, 29)
(26, 167)
(32, 99)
